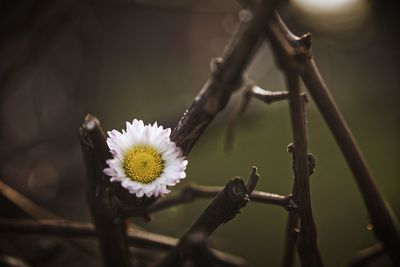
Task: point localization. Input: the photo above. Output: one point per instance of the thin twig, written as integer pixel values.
(222, 209)
(24, 203)
(382, 217)
(36, 212)
(12, 261)
(288, 60)
(226, 77)
(292, 232)
(307, 240)
(136, 237)
(192, 192)
(267, 96)
(365, 256)
(293, 222)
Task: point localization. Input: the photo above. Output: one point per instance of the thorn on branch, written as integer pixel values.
(311, 158)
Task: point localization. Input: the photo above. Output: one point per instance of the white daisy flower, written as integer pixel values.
(145, 161)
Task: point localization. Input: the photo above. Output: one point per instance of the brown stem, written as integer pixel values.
(382, 217)
(222, 209)
(226, 77)
(28, 206)
(293, 221)
(307, 240)
(192, 192)
(384, 221)
(292, 231)
(288, 60)
(137, 238)
(267, 96)
(110, 227)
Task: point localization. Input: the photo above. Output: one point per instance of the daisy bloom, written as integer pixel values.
(145, 160)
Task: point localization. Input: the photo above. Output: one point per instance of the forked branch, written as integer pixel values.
(384, 222)
(193, 192)
(307, 239)
(226, 76)
(222, 209)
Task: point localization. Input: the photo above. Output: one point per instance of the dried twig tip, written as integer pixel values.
(305, 40)
(90, 122)
(215, 63)
(290, 148)
(253, 179)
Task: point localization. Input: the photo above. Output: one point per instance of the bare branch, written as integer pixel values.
(102, 202)
(292, 232)
(24, 203)
(382, 217)
(307, 241)
(222, 209)
(293, 222)
(192, 192)
(267, 96)
(288, 60)
(137, 238)
(226, 77)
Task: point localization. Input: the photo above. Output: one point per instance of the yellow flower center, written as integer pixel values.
(143, 164)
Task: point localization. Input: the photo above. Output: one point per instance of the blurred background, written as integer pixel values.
(147, 59)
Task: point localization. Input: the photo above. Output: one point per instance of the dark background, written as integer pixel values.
(119, 60)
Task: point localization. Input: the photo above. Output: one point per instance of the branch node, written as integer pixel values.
(215, 64)
(291, 203)
(245, 15)
(305, 40)
(311, 162)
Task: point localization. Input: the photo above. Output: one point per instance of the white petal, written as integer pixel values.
(139, 193)
(155, 136)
